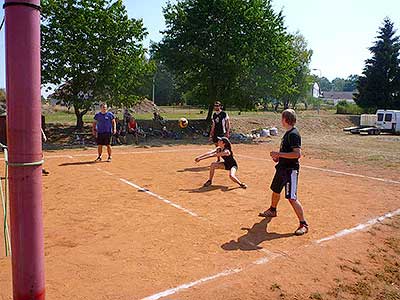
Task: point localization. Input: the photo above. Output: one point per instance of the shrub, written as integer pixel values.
(346, 108)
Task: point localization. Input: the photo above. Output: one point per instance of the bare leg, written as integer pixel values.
(213, 166)
(232, 176)
(275, 199)
(271, 212)
(109, 150)
(218, 158)
(99, 149)
(298, 209)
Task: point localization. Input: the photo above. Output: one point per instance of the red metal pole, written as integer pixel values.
(22, 36)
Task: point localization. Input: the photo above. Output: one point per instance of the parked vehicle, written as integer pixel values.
(383, 121)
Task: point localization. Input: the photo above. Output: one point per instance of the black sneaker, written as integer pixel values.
(109, 159)
(208, 183)
(269, 213)
(45, 172)
(303, 229)
(98, 158)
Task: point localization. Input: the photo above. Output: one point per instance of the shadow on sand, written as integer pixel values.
(254, 236)
(195, 169)
(210, 189)
(79, 163)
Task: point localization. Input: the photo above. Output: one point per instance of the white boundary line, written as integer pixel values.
(141, 189)
(191, 284)
(267, 259)
(159, 197)
(359, 227)
(351, 174)
(119, 153)
(329, 171)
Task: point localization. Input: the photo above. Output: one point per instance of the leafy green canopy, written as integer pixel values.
(230, 50)
(94, 51)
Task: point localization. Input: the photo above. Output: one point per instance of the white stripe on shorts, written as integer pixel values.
(293, 184)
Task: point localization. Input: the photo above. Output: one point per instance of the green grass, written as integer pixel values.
(168, 114)
(174, 113)
(65, 117)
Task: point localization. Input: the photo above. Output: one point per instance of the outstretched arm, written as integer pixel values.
(210, 154)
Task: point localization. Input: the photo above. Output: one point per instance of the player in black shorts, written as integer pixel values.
(287, 171)
(220, 124)
(223, 150)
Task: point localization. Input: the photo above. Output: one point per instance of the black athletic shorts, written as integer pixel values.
(103, 138)
(287, 178)
(229, 166)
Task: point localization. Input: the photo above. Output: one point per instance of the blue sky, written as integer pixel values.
(339, 32)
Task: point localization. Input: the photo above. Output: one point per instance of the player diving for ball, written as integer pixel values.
(224, 151)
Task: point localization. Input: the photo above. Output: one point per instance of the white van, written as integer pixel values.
(388, 120)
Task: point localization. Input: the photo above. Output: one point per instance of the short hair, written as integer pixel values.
(217, 103)
(103, 104)
(290, 116)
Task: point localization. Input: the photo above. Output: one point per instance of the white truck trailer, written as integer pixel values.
(383, 121)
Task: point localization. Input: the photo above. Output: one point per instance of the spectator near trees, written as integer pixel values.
(93, 52)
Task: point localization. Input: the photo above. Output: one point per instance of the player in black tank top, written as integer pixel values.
(224, 150)
(229, 161)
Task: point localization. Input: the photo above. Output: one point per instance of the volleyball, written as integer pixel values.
(183, 123)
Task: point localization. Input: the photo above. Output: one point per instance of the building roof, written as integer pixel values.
(338, 95)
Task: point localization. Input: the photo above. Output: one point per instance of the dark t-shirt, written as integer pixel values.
(290, 140)
(219, 120)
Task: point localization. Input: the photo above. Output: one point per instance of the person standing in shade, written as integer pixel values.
(104, 126)
(220, 124)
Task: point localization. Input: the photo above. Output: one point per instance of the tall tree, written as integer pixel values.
(229, 50)
(350, 84)
(379, 86)
(324, 84)
(93, 50)
(301, 80)
(165, 89)
(338, 84)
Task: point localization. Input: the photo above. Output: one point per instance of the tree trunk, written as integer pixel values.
(79, 121)
(79, 117)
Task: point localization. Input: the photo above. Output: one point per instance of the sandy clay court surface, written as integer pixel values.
(141, 227)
